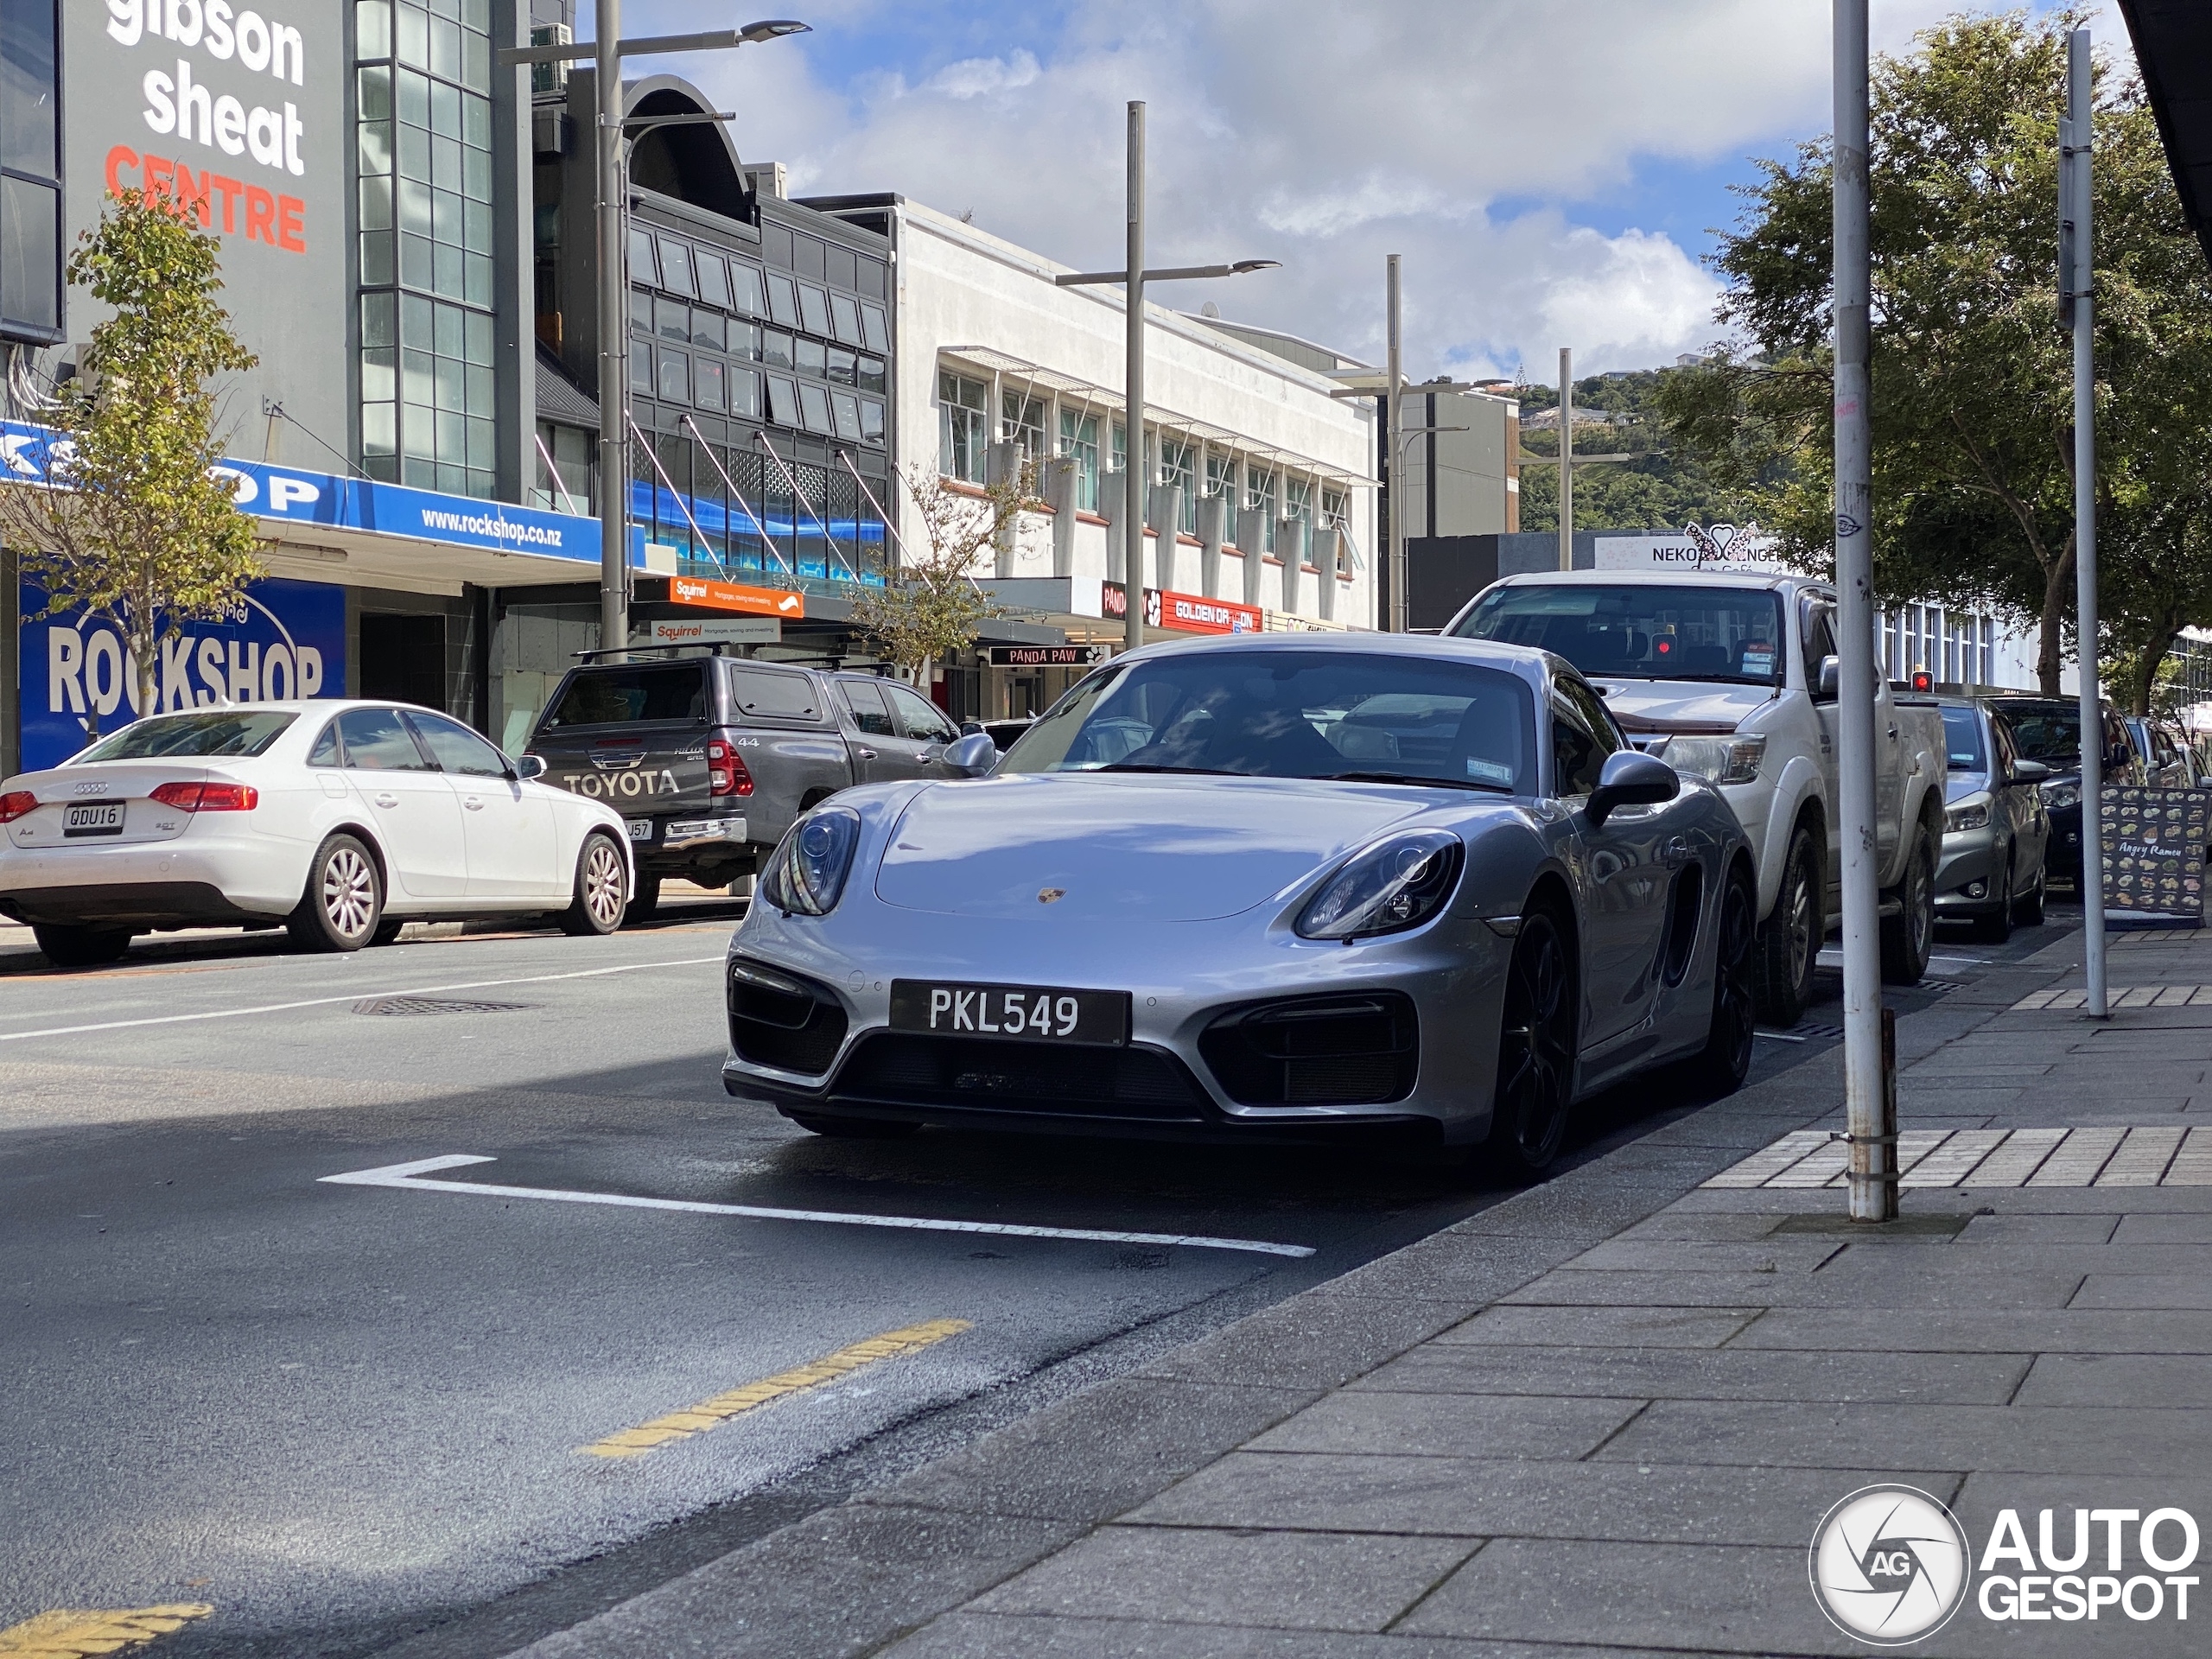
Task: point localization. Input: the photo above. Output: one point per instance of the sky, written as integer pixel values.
(1550, 170)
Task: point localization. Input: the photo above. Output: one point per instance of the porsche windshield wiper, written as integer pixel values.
(1194, 772)
(1419, 780)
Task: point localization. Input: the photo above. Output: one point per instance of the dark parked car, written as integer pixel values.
(710, 758)
(1996, 830)
(2049, 729)
(2164, 752)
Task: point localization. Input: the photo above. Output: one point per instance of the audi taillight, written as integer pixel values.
(726, 772)
(208, 798)
(17, 803)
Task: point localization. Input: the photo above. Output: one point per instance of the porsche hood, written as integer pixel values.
(1065, 847)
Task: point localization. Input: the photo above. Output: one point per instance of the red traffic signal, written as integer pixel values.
(1923, 680)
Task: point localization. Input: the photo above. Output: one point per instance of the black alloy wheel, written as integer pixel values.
(1909, 937)
(1726, 1061)
(80, 947)
(1536, 1052)
(1789, 947)
(1994, 926)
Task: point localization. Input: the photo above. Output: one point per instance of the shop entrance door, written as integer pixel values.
(403, 658)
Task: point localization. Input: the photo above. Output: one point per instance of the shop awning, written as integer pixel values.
(2173, 50)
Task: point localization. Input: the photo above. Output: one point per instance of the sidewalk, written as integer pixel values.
(1606, 1415)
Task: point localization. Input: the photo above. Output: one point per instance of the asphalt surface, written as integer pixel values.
(351, 1417)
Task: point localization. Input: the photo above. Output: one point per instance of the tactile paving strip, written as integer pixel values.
(2105, 1155)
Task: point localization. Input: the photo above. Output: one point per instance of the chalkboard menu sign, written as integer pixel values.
(2154, 842)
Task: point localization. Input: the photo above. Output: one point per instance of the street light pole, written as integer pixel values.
(1133, 465)
(1565, 459)
(1395, 458)
(1870, 1130)
(613, 339)
(2076, 282)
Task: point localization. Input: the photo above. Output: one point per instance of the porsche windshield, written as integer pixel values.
(1374, 716)
(1650, 631)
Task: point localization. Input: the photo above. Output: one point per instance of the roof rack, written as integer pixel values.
(712, 647)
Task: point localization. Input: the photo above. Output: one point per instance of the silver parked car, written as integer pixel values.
(1996, 830)
(1268, 888)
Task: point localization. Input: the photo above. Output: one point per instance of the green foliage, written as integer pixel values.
(137, 529)
(932, 606)
(1972, 376)
(1658, 490)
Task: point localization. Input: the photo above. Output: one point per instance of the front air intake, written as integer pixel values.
(780, 1020)
(1337, 1051)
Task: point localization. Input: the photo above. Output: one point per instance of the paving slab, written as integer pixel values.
(1900, 1288)
(2090, 1331)
(1595, 1327)
(1395, 1423)
(2123, 1379)
(1321, 1581)
(1003, 1635)
(1705, 1373)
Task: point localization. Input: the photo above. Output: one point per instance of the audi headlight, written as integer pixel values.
(1716, 759)
(2061, 795)
(1388, 887)
(807, 871)
(1971, 813)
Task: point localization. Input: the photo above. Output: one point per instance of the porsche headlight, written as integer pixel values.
(2055, 796)
(1971, 813)
(1390, 886)
(807, 871)
(1716, 759)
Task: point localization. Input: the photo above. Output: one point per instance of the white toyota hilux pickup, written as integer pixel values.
(1733, 675)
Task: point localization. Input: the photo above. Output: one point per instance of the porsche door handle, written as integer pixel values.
(865, 755)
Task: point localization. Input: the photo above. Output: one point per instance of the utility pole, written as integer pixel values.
(613, 339)
(1393, 459)
(1135, 467)
(1870, 1131)
(1565, 459)
(2076, 281)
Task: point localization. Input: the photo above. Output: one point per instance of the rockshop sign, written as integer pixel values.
(1890, 1566)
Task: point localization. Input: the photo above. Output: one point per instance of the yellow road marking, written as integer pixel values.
(74, 1633)
(696, 1420)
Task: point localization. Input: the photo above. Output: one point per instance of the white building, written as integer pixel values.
(1264, 507)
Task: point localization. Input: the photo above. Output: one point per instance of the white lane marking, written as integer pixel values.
(1777, 1036)
(350, 996)
(405, 1176)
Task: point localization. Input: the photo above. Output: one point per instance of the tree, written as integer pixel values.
(1972, 376)
(131, 523)
(1658, 490)
(932, 607)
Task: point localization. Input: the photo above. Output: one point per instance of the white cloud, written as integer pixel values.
(1460, 133)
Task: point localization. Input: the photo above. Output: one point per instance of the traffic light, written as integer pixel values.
(1923, 680)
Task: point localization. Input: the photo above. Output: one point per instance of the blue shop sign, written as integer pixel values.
(293, 496)
(288, 642)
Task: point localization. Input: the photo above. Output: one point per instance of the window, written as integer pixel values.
(919, 719)
(714, 279)
(783, 300)
(777, 245)
(645, 265)
(675, 376)
(745, 293)
(775, 349)
(1655, 631)
(767, 693)
(1220, 479)
(457, 749)
(1962, 738)
(744, 391)
(675, 268)
(1080, 443)
(783, 400)
(845, 319)
(745, 340)
(631, 695)
(672, 320)
(1179, 466)
(813, 310)
(707, 384)
(864, 702)
(1023, 423)
(707, 328)
(813, 407)
(375, 740)
(325, 753)
(1259, 498)
(1298, 499)
(875, 332)
(641, 368)
(871, 421)
(838, 265)
(871, 277)
(1594, 714)
(1817, 621)
(812, 357)
(808, 257)
(843, 365)
(962, 431)
(424, 158)
(845, 412)
(235, 731)
(1576, 752)
(570, 447)
(871, 374)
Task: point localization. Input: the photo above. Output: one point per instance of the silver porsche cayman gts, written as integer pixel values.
(1273, 887)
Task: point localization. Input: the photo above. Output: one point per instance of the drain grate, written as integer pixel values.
(434, 1005)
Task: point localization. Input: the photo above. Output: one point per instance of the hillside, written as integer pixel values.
(1651, 492)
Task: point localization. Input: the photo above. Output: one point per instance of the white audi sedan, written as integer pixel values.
(340, 820)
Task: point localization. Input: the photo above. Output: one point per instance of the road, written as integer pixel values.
(354, 1417)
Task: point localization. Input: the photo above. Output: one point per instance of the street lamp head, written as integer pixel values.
(773, 30)
(1244, 265)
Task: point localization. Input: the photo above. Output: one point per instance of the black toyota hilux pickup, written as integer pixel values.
(710, 758)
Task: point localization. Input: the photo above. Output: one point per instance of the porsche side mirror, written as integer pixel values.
(2030, 772)
(528, 766)
(1831, 684)
(1630, 777)
(973, 756)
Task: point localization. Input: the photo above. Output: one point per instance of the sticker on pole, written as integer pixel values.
(1888, 1565)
